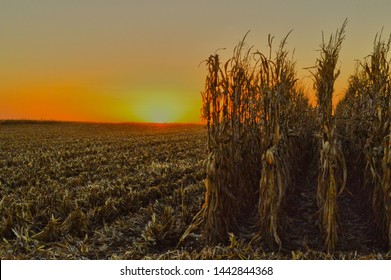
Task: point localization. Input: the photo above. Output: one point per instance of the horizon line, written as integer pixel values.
(26, 121)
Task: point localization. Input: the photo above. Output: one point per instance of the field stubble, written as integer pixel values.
(95, 190)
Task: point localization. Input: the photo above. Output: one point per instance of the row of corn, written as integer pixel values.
(258, 123)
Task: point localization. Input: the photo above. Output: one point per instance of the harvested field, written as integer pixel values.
(130, 191)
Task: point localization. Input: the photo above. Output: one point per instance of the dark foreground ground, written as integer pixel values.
(129, 191)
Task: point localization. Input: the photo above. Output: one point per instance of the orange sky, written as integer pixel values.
(121, 61)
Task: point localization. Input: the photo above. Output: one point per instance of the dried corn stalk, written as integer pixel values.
(332, 167)
(367, 108)
(277, 82)
(232, 112)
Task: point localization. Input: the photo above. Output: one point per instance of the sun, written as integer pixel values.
(158, 108)
(160, 116)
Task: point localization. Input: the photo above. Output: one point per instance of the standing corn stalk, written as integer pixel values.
(366, 107)
(377, 74)
(332, 167)
(386, 186)
(277, 83)
(386, 164)
(232, 113)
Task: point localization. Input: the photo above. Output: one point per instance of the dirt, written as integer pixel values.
(357, 231)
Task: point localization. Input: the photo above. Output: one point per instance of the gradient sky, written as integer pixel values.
(137, 60)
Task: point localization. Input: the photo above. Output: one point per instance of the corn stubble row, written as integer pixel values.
(259, 123)
(97, 191)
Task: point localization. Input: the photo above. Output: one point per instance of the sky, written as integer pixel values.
(139, 60)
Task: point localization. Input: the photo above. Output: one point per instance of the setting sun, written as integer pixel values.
(153, 113)
(163, 107)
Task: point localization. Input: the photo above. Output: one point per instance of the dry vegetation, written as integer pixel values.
(103, 191)
(332, 172)
(97, 191)
(260, 147)
(268, 176)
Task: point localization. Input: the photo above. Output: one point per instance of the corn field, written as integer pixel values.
(268, 175)
(266, 143)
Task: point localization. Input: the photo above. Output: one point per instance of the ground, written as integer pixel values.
(129, 191)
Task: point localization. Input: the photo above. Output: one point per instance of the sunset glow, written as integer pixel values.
(140, 60)
(156, 112)
(163, 107)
